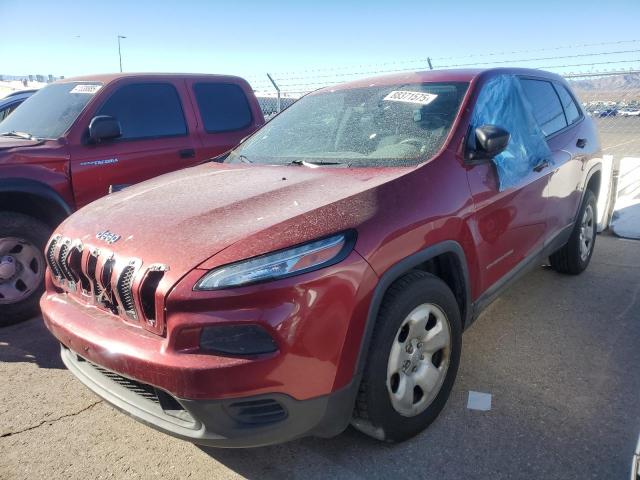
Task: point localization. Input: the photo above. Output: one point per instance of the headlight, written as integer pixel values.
(285, 263)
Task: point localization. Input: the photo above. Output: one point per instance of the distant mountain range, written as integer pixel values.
(625, 86)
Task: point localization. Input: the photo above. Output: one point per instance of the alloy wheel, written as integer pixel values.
(587, 233)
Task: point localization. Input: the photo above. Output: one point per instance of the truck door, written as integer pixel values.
(225, 114)
(155, 140)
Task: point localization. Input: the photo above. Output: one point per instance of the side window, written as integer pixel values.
(148, 110)
(570, 108)
(545, 104)
(223, 106)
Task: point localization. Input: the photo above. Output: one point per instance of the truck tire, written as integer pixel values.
(413, 359)
(22, 264)
(574, 257)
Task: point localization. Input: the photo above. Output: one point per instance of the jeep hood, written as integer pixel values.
(183, 219)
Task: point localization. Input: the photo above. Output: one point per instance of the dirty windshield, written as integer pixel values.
(390, 125)
(50, 111)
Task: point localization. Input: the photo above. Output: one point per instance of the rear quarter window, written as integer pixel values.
(545, 105)
(568, 103)
(223, 107)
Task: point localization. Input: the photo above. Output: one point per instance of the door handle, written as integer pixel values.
(541, 166)
(187, 153)
(581, 143)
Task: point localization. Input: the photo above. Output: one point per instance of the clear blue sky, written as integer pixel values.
(250, 38)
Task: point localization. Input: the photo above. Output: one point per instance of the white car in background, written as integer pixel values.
(628, 112)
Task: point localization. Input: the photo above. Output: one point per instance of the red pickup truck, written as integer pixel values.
(376, 220)
(80, 138)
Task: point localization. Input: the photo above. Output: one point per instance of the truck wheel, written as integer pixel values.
(573, 258)
(413, 359)
(22, 266)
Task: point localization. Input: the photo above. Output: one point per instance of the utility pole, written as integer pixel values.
(119, 51)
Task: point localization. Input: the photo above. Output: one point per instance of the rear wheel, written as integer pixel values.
(413, 359)
(22, 266)
(574, 257)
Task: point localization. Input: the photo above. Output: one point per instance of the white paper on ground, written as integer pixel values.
(479, 401)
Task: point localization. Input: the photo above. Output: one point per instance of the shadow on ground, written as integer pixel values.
(30, 342)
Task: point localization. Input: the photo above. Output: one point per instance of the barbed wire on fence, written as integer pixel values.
(609, 92)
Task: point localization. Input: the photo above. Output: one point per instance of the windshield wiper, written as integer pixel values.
(305, 163)
(13, 133)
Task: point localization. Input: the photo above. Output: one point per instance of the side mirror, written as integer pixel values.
(490, 140)
(104, 127)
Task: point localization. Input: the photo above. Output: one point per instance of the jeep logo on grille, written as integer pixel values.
(108, 236)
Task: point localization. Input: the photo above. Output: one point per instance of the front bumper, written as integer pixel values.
(306, 387)
(241, 422)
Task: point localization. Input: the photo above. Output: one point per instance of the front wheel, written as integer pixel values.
(22, 266)
(413, 359)
(574, 257)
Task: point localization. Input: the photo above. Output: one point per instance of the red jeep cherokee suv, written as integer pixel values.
(324, 273)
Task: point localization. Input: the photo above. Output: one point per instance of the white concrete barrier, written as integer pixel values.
(625, 221)
(606, 194)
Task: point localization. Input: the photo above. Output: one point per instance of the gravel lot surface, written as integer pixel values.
(559, 355)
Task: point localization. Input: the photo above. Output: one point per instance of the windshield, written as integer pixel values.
(394, 125)
(49, 112)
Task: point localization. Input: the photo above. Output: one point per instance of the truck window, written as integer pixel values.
(569, 105)
(51, 111)
(149, 110)
(545, 104)
(223, 107)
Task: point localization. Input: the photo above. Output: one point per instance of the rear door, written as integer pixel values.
(565, 184)
(224, 113)
(155, 140)
(558, 116)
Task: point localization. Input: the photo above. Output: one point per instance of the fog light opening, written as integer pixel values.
(237, 340)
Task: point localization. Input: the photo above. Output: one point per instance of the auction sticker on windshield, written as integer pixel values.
(420, 98)
(86, 88)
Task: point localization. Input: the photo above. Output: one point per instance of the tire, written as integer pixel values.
(573, 258)
(22, 266)
(381, 413)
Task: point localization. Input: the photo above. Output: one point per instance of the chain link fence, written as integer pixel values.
(613, 101)
(604, 75)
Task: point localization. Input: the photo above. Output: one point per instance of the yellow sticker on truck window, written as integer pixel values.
(86, 88)
(420, 98)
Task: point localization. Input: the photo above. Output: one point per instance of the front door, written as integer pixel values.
(155, 140)
(510, 192)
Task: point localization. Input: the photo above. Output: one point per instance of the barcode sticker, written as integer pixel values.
(86, 88)
(420, 98)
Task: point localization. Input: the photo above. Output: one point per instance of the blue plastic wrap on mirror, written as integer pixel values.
(502, 103)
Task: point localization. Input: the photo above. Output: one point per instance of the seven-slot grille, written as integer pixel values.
(108, 281)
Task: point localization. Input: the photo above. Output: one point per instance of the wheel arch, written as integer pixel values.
(33, 198)
(446, 260)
